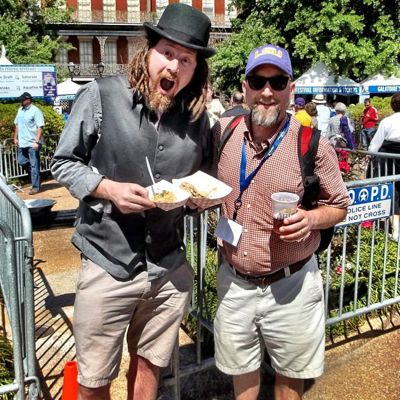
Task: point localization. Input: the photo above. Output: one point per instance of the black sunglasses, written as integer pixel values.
(277, 83)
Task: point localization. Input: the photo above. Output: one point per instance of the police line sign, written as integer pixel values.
(369, 202)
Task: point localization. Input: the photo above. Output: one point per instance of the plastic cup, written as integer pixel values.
(284, 204)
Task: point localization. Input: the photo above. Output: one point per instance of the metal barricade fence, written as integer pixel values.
(9, 166)
(16, 281)
(360, 269)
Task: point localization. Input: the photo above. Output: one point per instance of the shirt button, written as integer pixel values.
(246, 230)
(248, 206)
(245, 253)
(161, 147)
(158, 176)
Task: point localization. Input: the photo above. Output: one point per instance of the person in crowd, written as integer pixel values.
(269, 285)
(369, 122)
(387, 140)
(214, 106)
(135, 279)
(311, 108)
(331, 104)
(236, 105)
(324, 113)
(340, 130)
(28, 132)
(300, 113)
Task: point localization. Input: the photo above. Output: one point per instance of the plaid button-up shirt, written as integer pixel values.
(260, 251)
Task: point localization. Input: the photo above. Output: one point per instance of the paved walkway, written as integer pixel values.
(365, 366)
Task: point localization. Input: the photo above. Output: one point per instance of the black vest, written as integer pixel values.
(178, 147)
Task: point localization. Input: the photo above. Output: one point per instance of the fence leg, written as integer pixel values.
(175, 372)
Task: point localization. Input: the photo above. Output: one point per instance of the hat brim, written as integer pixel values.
(204, 51)
(269, 62)
(319, 101)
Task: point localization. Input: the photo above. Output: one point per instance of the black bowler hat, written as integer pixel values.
(184, 25)
(25, 96)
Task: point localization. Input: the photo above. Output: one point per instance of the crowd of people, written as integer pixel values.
(135, 281)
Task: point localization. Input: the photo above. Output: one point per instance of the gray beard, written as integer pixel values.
(266, 119)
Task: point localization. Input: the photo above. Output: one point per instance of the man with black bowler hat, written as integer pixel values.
(134, 276)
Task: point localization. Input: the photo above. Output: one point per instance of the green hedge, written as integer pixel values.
(6, 365)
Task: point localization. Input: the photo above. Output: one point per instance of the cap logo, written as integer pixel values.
(268, 50)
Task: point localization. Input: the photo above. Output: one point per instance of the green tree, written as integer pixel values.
(355, 38)
(23, 30)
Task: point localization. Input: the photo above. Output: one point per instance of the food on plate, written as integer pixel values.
(165, 196)
(194, 192)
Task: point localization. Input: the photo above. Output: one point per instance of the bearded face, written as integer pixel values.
(171, 68)
(268, 105)
(158, 100)
(267, 117)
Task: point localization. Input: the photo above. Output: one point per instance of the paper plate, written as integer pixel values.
(180, 195)
(213, 190)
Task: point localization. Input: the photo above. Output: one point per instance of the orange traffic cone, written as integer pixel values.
(70, 385)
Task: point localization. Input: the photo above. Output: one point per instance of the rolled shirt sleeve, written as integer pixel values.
(70, 165)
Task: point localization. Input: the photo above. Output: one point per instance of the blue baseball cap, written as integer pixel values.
(269, 54)
(300, 101)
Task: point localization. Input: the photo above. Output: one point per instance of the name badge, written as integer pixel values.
(229, 231)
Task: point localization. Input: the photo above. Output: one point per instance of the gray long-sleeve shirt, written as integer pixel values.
(109, 133)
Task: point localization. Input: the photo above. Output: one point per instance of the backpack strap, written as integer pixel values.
(308, 141)
(227, 133)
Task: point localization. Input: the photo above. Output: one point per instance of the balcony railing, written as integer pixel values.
(91, 70)
(101, 16)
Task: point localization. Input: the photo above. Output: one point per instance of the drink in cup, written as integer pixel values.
(284, 204)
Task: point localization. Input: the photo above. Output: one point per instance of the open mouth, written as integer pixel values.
(166, 84)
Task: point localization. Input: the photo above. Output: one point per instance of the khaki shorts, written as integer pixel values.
(286, 318)
(149, 313)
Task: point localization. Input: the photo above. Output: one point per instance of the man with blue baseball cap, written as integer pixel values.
(269, 285)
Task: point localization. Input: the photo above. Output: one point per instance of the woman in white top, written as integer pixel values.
(387, 140)
(388, 130)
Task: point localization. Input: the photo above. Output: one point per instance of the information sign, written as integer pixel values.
(39, 80)
(368, 203)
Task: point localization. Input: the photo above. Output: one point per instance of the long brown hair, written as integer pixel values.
(192, 96)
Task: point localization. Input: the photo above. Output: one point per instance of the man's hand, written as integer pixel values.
(35, 146)
(127, 197)
(296, 227)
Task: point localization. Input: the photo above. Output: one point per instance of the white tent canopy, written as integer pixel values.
(67, 90)
(381, 84)
(3, 59)
(320, 80)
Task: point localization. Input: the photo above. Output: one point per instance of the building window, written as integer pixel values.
(133, 10)
(188, 2)
(230, 13)
(85, 52)
(84, 10)
(160, 6)
(110, 52)
(208, 8)
(62, 56)
(109, 10)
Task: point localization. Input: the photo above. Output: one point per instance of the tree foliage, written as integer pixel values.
(355, 38)
(23, 30)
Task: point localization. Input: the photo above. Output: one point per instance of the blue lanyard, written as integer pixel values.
(245, 181)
